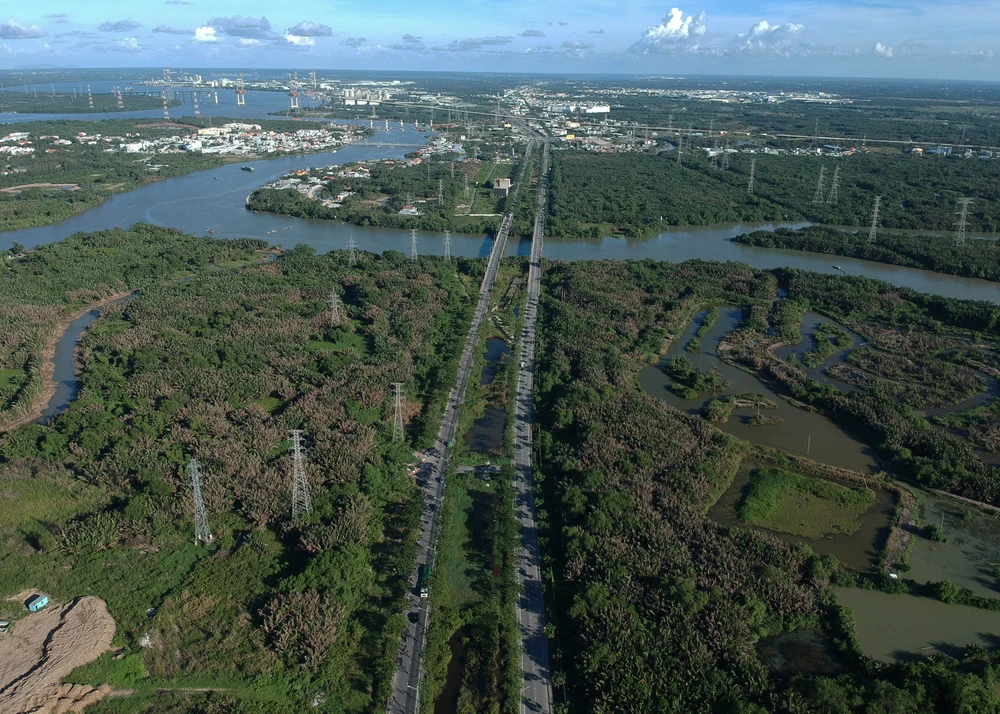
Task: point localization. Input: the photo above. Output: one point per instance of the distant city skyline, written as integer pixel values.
(877, 38)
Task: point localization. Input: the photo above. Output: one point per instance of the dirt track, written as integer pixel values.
(45, 647)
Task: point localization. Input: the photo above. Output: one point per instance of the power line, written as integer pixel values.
(818, 196)
(873, 231)
(397, 421)
(834, 189)
(301, 502)
(962, 223)
(201, 531)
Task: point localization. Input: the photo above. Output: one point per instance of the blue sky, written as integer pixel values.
(904, 38)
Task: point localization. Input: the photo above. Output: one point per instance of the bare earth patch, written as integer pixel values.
(46, 646)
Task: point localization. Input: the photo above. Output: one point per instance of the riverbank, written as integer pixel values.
(40, 401)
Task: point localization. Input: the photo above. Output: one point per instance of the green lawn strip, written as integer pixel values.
(811, 508)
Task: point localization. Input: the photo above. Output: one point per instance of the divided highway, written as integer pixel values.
(405, 698)
(536, 688)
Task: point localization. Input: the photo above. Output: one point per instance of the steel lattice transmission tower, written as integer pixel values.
(166, 113)
(293, 91)
(201, 531)
(194, 103)
(334, 302)
(413, 244)
(397, 420)
(447, 246)
(962, 223)
(820, 189)
(753, 174)
(301, 502)
(873, 231)
(90, 98)
(834, 197)
(118, 93)
(241, 92)
(725, 155)
(351, 257)
(440, 190)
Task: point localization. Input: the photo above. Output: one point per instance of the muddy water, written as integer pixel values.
(858, 551)
(810, 322)
(969, 555)
(495, 350)
(906, 627)
(447, 700)
(802, 433)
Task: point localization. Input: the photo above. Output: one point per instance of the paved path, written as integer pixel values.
(536, 688)
(405, 698)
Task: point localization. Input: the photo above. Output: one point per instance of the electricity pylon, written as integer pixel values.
(835, 188)
(166, 112)
(351, 258)
(447, 246)
(334, 301)
(873, 231)
(397, 421)
(753, 172)
(201, 531)
(820, 190)
(90, 98)
(413, 244)
(440, 190)
(241, 91)
(725, 155)
(301, 502)
(194, 104)
(962, 223)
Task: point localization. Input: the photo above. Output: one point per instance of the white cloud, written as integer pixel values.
(570, 45)
(205, 34)
(170, 30)
(880, 50)
(354, 41)
(300, 41)
(239, 26)
(119, 26)
(249, 42)
(11, 29)
(129, 43)
(532, 33)
(307, 28)
(472, 44)
(675, 32)
(765, 38)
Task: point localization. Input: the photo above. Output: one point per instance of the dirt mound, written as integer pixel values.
(46, 646)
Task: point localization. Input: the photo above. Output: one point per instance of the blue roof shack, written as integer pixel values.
(37, 602)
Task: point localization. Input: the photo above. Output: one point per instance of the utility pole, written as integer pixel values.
(447, 246)
(818, 196)
(753, 172)
(962, 223)
(334, 301)
(834, 189)
(413, 244)
(201, 531)
(350, 251)
(397, 420)
(873, 231)
(301, 502)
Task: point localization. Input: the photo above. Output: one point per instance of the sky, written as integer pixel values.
(873, 38)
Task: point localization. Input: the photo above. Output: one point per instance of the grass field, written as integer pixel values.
(811, 508)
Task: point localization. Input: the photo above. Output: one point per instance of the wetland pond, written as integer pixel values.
(487, 432)
(858, 550)
(801, 432)
(899, 628)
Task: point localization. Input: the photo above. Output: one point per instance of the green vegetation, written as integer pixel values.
(811, 508)
(691, 379)
(826, 339)
(975, 259)
(595, 195)
(934, 532)
(640, 577)
(391, 185)
(275, 612)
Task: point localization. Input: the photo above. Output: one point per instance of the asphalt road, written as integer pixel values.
(405, 698)
(536, 687)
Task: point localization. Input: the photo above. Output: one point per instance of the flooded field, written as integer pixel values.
(487, 432)
(858, 550)
(899, 628)
(971, 553)
(802, 433)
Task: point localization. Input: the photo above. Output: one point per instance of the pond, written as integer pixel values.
(969, 555)
(447, 700)
(487, 432)
(802, 433)
(900, 628)
(858, 550)
(811, 321)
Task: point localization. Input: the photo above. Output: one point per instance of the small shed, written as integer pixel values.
(37, 602)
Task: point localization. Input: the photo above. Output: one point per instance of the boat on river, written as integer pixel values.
(248, 168)
(837, 267)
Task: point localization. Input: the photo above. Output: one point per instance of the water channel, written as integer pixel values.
(803, 433)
